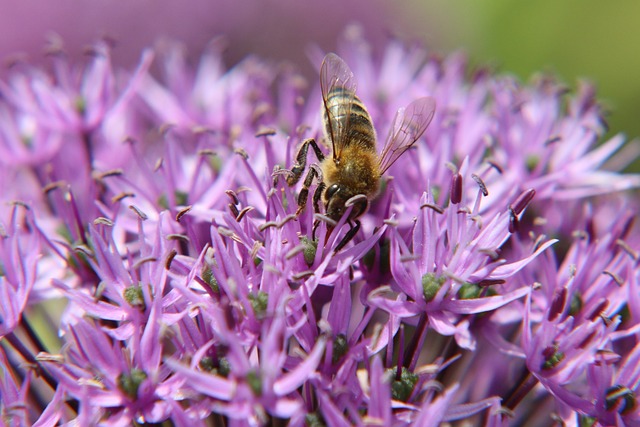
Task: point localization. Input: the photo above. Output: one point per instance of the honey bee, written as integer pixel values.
(354, 167)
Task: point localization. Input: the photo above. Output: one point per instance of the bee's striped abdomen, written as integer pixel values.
(349, 115)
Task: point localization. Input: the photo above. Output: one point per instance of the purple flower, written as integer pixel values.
(19, 251)
(455, 256)
(498, 267)
(575, 325)
(15, 407)
(613, 389)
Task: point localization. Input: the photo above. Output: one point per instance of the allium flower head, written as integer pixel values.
(494, 279)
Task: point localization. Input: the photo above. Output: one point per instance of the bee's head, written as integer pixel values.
(337, 199)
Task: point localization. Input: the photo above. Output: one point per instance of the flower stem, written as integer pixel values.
(26, 354)
(35, 339)
(39, 369)
(411, 356)
(400, 355)
(520, 390)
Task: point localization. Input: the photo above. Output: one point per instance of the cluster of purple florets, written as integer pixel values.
(152, 267)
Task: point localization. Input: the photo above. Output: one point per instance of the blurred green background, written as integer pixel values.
(575, 39)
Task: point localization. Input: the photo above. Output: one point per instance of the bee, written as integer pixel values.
(354, 167)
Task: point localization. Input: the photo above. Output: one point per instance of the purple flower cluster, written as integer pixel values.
(145, 216)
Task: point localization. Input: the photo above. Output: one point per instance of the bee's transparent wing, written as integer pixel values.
(408, 125)
(336, 80)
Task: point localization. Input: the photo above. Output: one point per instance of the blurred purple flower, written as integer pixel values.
(19, 252)
(273, 28)
(498, 267)
(14, 393)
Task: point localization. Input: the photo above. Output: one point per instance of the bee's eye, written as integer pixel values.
(331, 191)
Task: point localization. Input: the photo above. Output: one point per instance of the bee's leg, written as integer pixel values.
(316, 206)
(317, 194)
(347, 237)
(304, 191)
(301, 160)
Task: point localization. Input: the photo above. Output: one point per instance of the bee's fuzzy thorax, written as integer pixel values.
(358, 171)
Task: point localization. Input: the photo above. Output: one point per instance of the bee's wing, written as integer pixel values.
(408, 125)
(336, 79)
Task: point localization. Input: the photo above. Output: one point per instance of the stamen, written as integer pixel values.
(169, 260)
(103, 221)
(121, 196)
(436, 208)
(522, 201)
(182, 212)
(557, 305)
(481, 184)
(351, 201)
(456, 188)
(265, 131)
